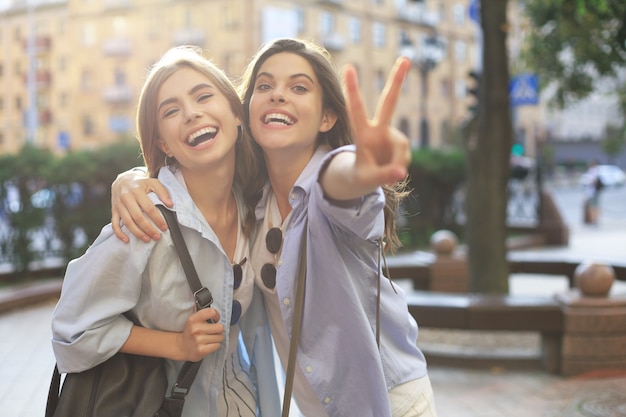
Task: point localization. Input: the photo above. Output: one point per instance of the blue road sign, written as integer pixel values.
(524, 90)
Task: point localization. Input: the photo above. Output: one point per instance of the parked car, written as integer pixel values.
(611, 176)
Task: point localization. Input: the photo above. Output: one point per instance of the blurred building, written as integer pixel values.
(71, 70)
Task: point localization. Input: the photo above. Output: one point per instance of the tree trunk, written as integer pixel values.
(488, 150)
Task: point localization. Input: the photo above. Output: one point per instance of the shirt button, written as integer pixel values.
(327, 400)
(309, 369)
(286, 301)
(293, 196)
(280, 262)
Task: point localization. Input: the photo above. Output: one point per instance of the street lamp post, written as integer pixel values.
(424, 57)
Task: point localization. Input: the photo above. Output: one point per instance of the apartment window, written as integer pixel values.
(300, 20)
(458, 14)
(88, 127)
(355, 30)
(18, 68)
(89, 34)
(85, 80)
(119, 25)
(1, 103)
(62, 63)
(1, 70)
(378, 32)
(17, 34)
(460, 51)
(18, 103)
(327, 24)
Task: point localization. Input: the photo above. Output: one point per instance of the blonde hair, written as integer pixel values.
(246, 166)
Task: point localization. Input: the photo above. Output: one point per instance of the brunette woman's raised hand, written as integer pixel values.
(382, 152)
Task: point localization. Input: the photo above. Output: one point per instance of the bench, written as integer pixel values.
(492, 313)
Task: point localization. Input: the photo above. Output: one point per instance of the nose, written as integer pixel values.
(277, 96)
(192, 113)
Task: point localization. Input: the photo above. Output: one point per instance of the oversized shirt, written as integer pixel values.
(337, 352)
(147, 280)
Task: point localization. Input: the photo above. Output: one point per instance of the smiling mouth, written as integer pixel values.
(278, 119)
(201, 136)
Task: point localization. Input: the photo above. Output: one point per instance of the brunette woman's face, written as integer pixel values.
(286, 104)
(195, 122)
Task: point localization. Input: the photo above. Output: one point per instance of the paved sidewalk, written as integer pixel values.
(26, 358)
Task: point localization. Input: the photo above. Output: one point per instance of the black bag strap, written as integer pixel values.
(202, 295)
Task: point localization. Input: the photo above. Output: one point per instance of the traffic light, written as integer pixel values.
(474, 91)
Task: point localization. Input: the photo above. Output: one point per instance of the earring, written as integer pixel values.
(169, 159)
(239, 132)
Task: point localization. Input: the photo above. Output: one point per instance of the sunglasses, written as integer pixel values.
(237, 278)
(273, 241)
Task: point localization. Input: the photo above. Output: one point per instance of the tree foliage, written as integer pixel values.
(573, 43)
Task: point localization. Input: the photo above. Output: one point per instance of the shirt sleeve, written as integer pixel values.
(363, 217)
(88, 323)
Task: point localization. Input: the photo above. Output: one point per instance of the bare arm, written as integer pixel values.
(195, 342)
(382, 152)
(130, 204)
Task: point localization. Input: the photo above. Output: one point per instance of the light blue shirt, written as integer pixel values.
(147, 280)
(349, 373)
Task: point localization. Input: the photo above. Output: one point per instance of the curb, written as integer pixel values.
(22, 295)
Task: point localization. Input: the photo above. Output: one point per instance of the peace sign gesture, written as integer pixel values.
(383, 152)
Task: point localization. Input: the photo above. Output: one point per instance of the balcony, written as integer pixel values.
(41, 44)
(419, 16)
(43, 79)
(117, 94)
(116, 47)
(333, 42)
(195, 37)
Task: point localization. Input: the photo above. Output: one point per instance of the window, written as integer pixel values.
(327, 24)
(300, 20)
(378, 31)
(89, 34)
(120, 77)
(87, 125)
(355, 30)
(18, 103)
(458, 14)
(460, 51)
(380, 80)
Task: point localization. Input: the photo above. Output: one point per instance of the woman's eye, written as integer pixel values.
(169, 112)
(204, 97)
(263, 87)
(300, 89)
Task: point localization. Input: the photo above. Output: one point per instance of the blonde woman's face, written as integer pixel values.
(195, 122)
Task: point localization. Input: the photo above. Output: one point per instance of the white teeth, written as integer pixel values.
(278, 118)
(203, 131)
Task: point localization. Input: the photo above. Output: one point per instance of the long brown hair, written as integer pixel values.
(246, 166)
(332, 100)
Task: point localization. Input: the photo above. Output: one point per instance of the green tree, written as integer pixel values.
(488, 145)
(573, 43)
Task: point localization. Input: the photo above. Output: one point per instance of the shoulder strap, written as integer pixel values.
(296, 324)
(202, 295)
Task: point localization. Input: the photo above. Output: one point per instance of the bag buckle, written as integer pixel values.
(178, 392)
(203, 298)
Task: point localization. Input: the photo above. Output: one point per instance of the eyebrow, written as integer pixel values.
(293, 76)
(190, 92)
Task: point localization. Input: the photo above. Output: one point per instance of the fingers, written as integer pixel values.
(389, 97)
(201, 337)
(356, 108)
(117, 227)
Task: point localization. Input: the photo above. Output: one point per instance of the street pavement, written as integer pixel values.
(26, 358)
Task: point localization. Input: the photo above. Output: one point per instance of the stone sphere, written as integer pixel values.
(594, 279)
(443, 242)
